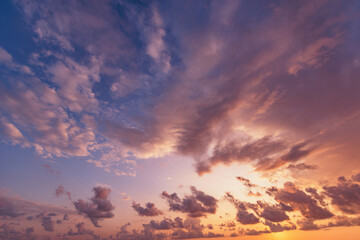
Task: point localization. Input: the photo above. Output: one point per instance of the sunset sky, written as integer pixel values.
(183, 119)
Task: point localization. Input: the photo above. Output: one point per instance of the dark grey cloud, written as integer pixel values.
(198, 204)
(245, 218)
(98, 208)
(295, 153)
(299, 200)
(343, 221)
(149, 210)
(237, 152)
(273, 213)
(307, 225)
(242, 215)
(301, 166)
(345, 195)
(166, 224)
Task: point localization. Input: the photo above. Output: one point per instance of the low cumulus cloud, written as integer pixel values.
(198, 204)
(46, 221)
(345, 195)
(82, 231)
(243, 216)
(277, 227)
(98, 208)
(8, 232)
(299, 200)
(149, 210)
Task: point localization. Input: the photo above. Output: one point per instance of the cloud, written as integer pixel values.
(278, 227)
(314, 55)
(192, 94)
(98, 208)
(149, 210)
(5, 57)
(47, 223)
(7, 208)
(81, 231)
(242, 216)
(156, 45)
(194, 229)
(6, 232)
(245, 218)
(301, 166)
(246, 182)
(301, 201)
(50, 170)
(166, 224)
(356, 177)
(178, 229)
(10, 131)
(198, 204)
(307, 225)
(61, 191)
(295, 153)
(345, 195)
(248, 152)
(273, 213)
(254, 232)
(66, 217)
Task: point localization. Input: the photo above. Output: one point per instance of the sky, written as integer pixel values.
(157, 120)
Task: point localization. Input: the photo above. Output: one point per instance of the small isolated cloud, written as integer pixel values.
(149, 210)
(61, 191)
(50, 170)
(99, 206)
(246, 182)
